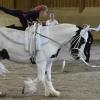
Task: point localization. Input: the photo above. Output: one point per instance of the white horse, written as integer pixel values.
(12, 47)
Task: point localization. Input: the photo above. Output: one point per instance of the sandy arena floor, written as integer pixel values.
(78, 82)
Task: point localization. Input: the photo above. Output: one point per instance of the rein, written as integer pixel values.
(54, 40)
(49, 39)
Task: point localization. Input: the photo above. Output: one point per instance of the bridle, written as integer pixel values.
(75, 50)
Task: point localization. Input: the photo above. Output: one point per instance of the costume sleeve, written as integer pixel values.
(95, 29)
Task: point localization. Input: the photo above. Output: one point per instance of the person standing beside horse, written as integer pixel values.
(52, 21)
(87, 34)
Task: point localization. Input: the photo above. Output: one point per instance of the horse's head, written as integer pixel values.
(76, 42)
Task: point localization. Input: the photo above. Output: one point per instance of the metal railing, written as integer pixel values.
(53, 3)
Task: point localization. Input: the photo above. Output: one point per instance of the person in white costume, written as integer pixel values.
(86, 34)
(52, 21)
(87, 28)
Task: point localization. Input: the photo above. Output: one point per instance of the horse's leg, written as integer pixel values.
(3, 71)
(87, 51)
(63, 65)
(31, 85)
(49, 89)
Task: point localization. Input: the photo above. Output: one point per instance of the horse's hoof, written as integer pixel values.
(55, 94)
(3, 94)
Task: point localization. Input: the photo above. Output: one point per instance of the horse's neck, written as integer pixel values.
(62, 33)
